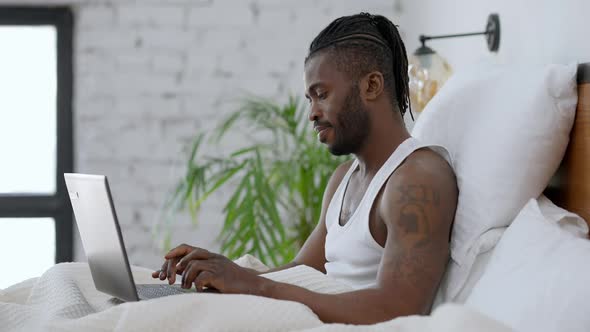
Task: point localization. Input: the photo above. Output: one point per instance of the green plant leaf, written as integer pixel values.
(223, 178)
(195, 148)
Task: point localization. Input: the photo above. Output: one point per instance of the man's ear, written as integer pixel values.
(372, 86)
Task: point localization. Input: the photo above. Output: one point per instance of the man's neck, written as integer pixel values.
(384, 139)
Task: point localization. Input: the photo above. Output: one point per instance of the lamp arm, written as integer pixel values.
(492, 34)
(424, 38)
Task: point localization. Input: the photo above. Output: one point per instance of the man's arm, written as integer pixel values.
(417, 206)
(311, 254)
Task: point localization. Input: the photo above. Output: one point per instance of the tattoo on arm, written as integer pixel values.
(415, 261)
(413, 218)
(420, 194)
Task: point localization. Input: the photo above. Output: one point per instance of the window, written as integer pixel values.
(35, 139)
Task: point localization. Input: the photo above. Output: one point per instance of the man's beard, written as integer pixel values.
(353, 125)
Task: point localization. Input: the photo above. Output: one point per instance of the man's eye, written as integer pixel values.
(322, 95)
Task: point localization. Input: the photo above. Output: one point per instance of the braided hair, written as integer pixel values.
(365, 43)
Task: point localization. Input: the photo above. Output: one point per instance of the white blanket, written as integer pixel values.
(64, 299)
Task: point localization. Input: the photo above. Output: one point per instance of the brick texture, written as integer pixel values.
(150, 74)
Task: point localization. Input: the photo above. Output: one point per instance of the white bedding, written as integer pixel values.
(64, 299)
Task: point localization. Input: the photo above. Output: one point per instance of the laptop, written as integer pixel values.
(102, 240)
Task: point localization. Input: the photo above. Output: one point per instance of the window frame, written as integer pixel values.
(56, 206)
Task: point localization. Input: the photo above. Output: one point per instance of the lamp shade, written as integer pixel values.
(428, 72)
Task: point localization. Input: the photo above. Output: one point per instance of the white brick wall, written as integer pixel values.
(149, 74)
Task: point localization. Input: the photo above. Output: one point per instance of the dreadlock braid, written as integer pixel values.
(365, 43)
(399, 60)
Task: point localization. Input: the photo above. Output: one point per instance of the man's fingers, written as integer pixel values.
(192, 271)
(171, 270)
(204, 279)
(179, 251)
(160, 274)
(163, 271)
(196, 253)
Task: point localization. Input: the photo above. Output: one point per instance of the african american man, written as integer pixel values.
(386, 215)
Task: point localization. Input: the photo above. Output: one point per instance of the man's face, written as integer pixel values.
(337, 111)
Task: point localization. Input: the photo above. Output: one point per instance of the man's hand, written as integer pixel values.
(169, 269)
(206, 269)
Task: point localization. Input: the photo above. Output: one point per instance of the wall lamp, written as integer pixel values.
(429, 71)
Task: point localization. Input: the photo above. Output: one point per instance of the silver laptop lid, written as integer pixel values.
(101, 235)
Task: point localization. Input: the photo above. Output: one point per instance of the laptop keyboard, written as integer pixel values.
(147, 291)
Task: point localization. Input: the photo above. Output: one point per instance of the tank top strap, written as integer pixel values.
(333, 213)
(393, 162)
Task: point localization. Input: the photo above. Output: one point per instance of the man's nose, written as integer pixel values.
(314, 113)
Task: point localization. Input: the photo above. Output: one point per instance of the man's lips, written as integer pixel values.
(322, 132)
(320, 128)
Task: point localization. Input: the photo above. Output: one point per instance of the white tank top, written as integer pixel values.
(352, 254)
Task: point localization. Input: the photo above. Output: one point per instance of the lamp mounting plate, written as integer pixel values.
(493, 32)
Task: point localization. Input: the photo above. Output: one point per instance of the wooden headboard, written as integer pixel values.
(570, 186)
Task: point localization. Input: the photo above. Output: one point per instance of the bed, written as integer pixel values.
(537, 276)
(64, 298)
(570, 186)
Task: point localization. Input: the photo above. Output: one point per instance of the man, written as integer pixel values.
(386, 216)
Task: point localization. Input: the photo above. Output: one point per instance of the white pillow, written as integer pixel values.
(537, 278)
(506, 128)
(489, 240)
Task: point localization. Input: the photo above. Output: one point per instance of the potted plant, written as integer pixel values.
(276, 200)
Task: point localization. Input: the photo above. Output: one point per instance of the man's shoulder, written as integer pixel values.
(424, 186)
(424, 164)
(424, 169)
